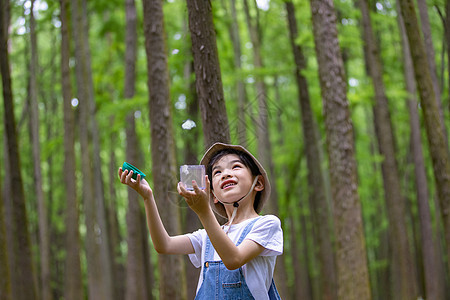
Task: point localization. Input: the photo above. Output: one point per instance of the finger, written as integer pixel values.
(138, 179)
(130, 174)
(182, 188)
(195, 186)
(120, 171)
(208, 184)
(123, 176)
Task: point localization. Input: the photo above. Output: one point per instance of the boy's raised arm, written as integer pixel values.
(232, 256)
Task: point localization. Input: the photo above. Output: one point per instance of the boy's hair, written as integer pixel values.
(244, 158)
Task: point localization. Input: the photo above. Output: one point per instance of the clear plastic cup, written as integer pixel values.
(192, 172)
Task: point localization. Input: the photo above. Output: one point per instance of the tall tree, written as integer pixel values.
(113, 220)
(263, 132)
(239, 84)
(191, 151)
(73, 278)
(135, 269)
(44, 246)
(207, 72)
(171, 267)
(434, 128)
(22, 283)
(351, 258)
(433, 275)
(97, 246)
(446, 23)
(5, 279)
(404, 285)
(302, 288)
(429, 48)
(316, 193)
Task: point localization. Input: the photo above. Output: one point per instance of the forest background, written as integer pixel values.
(362, 187)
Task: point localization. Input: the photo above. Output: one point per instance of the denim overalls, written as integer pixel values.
(220, 283)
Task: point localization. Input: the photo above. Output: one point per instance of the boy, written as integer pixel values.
(238, 258)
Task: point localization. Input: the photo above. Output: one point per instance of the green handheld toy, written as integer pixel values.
(136, 171)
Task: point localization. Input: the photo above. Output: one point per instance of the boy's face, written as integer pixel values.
(231, 179)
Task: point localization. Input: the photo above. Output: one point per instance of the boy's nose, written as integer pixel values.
(226, 173)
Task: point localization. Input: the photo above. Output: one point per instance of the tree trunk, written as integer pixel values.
(101, 227)
(44, 246)
(5, 279)
(191, 151)
(433, 277)
(446, 44)
(263, 134)
(97, 250)
(113, 222)
(404, 280)
(207, 72)
(149, 270)
(316, 194)
(433, 125)
(239, 84)
(171, 267)
(135, 268)
(8, 217)
(426, 30)
(73, 282)
(351, 258)
(22, 283)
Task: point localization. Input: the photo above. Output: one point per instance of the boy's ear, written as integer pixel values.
(259, 183)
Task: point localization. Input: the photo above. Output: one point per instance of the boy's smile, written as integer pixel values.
(228, 184)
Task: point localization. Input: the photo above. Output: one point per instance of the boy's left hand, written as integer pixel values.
(198, 199)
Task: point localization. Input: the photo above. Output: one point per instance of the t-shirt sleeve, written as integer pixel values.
(196, 238)
(268, 233)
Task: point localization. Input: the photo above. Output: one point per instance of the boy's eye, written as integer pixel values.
(216, 172)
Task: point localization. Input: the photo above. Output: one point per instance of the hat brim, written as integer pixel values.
(265, 193)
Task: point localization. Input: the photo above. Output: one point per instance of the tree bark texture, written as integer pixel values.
(73, 282)
(44, 246)
(5, 278)
(263, 133)
(429, 49)
(171, 267)
(101, 227)
(8, 217)
(316, 192)
(113, 222)
(239, 85)
(191, 152)
(434, 127)
(135, 269)
(404, 279)
(351, 259)
(207, 72)
(433, 274)
(97, 252)
(22, 275)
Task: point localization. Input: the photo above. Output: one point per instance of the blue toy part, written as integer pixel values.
(136, 171)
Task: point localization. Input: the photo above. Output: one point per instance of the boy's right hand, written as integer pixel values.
(139, 185)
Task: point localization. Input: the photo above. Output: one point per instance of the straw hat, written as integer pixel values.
(265, 193)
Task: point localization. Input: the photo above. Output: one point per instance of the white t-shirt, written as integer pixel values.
(258, 272)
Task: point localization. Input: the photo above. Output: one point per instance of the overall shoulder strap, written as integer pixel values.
(208, 247)
(209, 250)
(246, 230)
